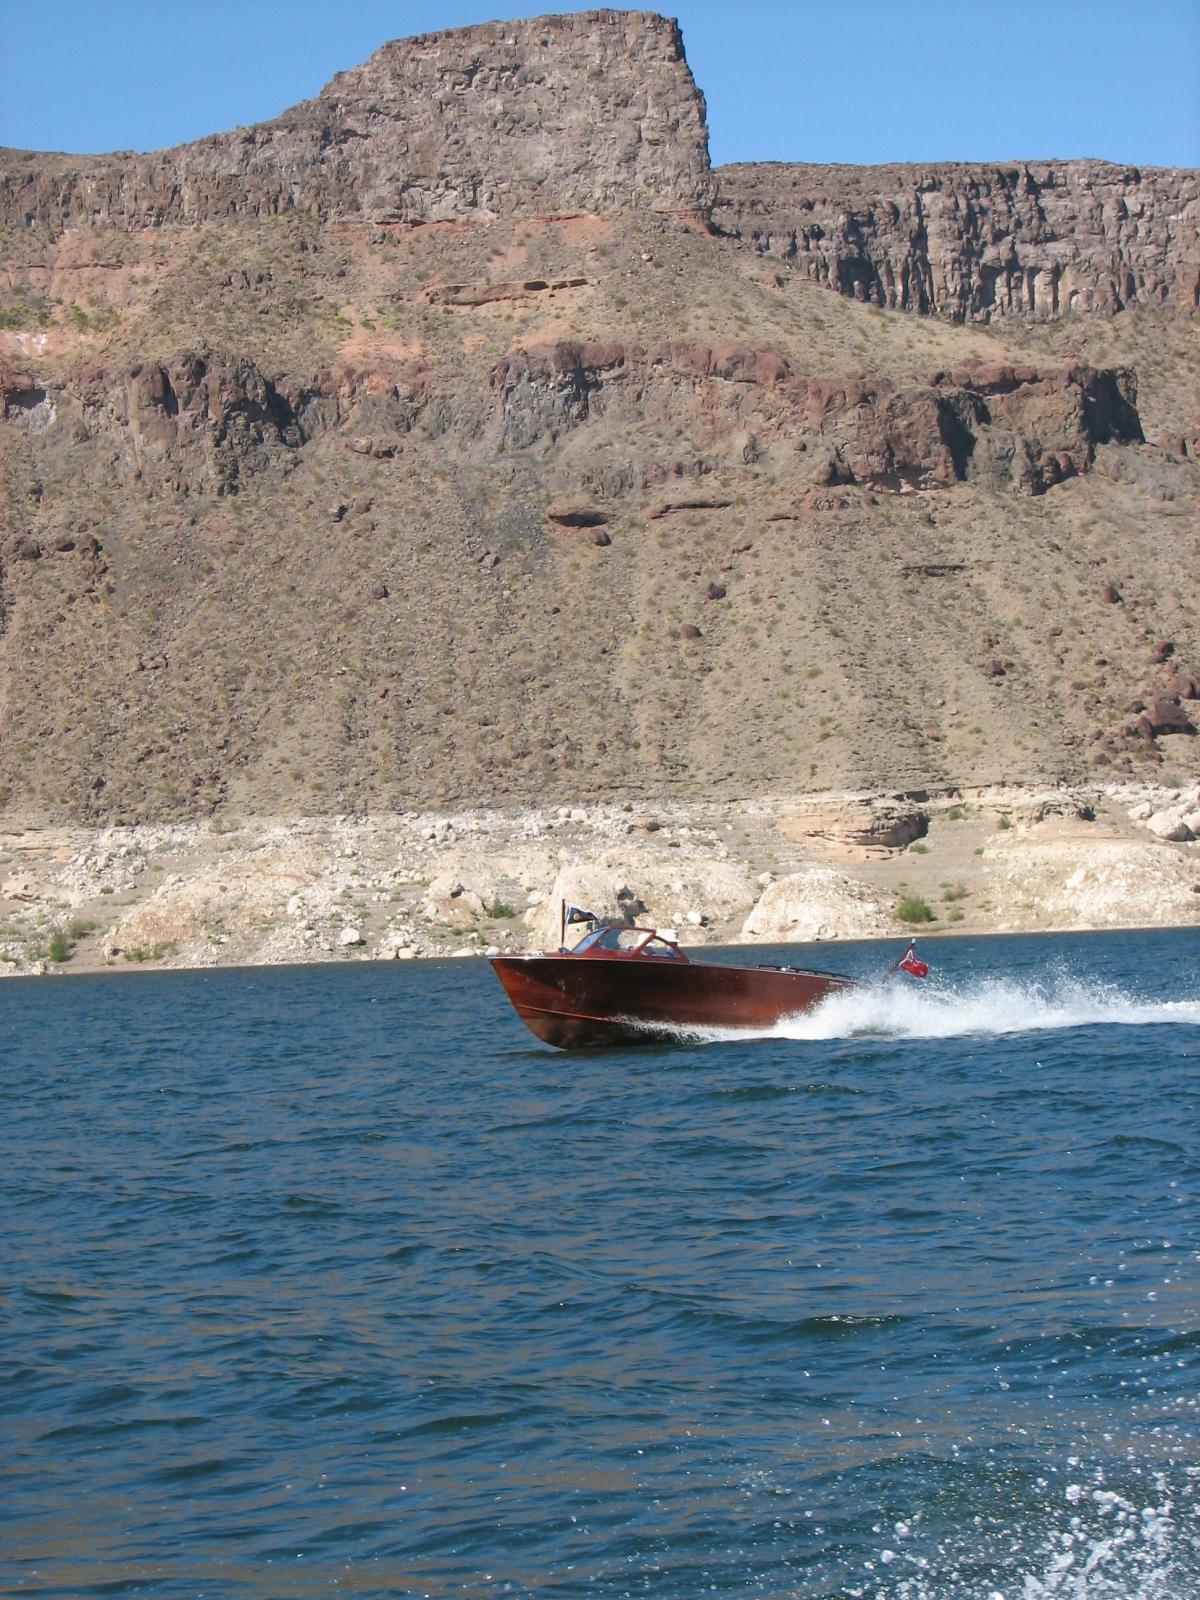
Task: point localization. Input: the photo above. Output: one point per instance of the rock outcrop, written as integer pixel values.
(598, 112)
(210, 420)
(1057, 878)
(1022, 427)
(592, 112)
(856, 825)
(210, 906)
(1038, 239)
(815, 903)
(201, 408)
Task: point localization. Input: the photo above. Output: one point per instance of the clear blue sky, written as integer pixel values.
(813, 80)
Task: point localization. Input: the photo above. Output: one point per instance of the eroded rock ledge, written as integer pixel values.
(210, 419)
(1020, 426)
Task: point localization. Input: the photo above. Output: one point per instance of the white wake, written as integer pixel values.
(932, 1010)
(1094, 1544)
(939, 1009)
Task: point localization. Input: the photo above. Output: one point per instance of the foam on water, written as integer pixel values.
(1091, 1543)
(937, 1010)
(987, 1006)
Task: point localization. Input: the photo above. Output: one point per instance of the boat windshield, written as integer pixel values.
(626, 941)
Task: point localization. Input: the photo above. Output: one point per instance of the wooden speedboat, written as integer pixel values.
(628, 985)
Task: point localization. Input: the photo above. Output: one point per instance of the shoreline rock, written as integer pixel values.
(404, 886)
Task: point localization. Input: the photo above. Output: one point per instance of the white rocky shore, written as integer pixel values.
(782, 870)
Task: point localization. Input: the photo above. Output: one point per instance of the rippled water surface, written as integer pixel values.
(324, 1280)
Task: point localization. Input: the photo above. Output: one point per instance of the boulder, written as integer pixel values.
(1037, 805)
(1168, 716)
(668, 508)
(576, 514)
(1184, 684)
(815, 903)
(1170, 825)
(857, 827)
(603, 890)
(452, 902)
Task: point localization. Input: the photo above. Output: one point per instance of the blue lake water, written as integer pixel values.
(332, 1280)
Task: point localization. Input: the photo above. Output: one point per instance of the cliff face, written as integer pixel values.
(1040, 239)
(598, 112)
(592, 112)
(199, 423)
(1021, 428)
(301, 510)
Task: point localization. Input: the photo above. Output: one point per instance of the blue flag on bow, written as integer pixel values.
(577, 914)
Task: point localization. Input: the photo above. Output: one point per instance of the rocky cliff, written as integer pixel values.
(199, 422)
(597, 112)
(1042, 239)
(568, 490)
(591, 112)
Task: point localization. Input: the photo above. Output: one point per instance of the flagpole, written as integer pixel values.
(562, 924)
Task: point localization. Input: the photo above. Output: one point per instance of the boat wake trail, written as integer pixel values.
(938, 1010)
(987, 1006)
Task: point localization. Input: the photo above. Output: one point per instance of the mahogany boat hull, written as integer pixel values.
(573, 1000)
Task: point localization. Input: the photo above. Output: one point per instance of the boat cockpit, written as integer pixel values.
(617, 940)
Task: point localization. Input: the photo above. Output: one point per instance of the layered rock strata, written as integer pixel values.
(200, 419)
(598, 112)
(1040, 239)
